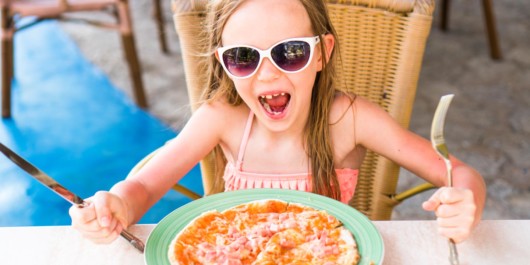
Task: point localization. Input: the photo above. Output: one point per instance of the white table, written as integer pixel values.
(406, 242)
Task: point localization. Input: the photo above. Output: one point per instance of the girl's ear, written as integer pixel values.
(328, 40)
(216, 53)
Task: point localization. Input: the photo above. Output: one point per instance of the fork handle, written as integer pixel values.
(453, 253)
(449, 168)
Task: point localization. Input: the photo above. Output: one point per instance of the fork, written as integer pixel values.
(438, 143)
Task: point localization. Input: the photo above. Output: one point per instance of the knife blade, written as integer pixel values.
(53, 185)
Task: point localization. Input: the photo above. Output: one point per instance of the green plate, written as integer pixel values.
(368, 239)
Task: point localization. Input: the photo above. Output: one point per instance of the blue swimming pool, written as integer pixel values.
(69, 120)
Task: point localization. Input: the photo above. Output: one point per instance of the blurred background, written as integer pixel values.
(487, 126)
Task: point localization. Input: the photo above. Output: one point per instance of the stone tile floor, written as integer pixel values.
(488, 125)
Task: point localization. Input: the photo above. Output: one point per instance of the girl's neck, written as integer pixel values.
(295, 131)
(260, 132)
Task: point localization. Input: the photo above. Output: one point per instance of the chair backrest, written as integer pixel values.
(382, 46)
(188, 17)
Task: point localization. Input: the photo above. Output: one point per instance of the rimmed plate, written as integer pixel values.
(369, 240)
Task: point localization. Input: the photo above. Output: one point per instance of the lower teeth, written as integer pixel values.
(268, 108)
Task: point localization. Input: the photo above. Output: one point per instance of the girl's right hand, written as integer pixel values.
(103, 219)
(455, 212)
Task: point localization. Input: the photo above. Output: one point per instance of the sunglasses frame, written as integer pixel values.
(312, 41)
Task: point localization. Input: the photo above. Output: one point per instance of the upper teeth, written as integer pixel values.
(274, 95)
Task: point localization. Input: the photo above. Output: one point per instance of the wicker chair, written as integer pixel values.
(13, 10)
(382, 46)
(159, 19)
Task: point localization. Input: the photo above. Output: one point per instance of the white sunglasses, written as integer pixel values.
(290, 56)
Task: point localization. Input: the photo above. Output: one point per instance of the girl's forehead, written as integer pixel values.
(261, 23)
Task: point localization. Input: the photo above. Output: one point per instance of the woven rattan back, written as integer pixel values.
(188, 17)
(381, 49)
(382, 45)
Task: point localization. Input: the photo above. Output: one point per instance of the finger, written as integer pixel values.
(99, 239)
(464, 220)
(102, 204)
(433, 202)
(82, 215)
(103, 232)
(457, 195)
(452, 195)
(84, 219)
(115, 233)
(109, 207)
(429, 205)
(92, 226)
(447, 211)
(458, 228)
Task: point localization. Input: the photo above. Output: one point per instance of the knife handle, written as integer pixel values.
(136, 242)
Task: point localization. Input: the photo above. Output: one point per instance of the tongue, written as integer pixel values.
(278, 103)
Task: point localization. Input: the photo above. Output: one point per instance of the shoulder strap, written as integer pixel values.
(244, 141)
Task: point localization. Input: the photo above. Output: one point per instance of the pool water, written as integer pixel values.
(72, 123)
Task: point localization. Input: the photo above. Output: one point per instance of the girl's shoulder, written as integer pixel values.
(221, 115)
(342, 117)
(352, 111)
(350, 103)
(343, 103)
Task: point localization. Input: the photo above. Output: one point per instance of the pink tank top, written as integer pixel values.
(235, 178)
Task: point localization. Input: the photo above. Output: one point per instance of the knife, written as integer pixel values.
(49, 182)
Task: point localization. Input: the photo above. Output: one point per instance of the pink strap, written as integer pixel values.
(244, 141)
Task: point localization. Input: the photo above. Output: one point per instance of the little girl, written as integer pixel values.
(273, 110)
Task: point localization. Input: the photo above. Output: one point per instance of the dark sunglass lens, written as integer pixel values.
(241, 61)
(292, 55)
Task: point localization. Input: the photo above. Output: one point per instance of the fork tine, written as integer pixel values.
(437, 127)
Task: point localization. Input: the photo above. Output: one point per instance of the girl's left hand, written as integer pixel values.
(455, 211)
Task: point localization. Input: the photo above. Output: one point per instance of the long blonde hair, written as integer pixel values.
(317, 133)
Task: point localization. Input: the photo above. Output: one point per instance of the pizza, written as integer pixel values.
(264, 232)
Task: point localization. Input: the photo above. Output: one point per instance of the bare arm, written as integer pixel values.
(200, 135)
(129, 199)
(379, 132)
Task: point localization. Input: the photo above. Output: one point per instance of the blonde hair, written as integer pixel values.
(317, 133)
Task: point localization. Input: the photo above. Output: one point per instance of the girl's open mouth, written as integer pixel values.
(275, 104)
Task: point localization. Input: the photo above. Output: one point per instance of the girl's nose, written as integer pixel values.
(268, 71)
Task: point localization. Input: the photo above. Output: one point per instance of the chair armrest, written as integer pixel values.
(186, 192)
(413, 191)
